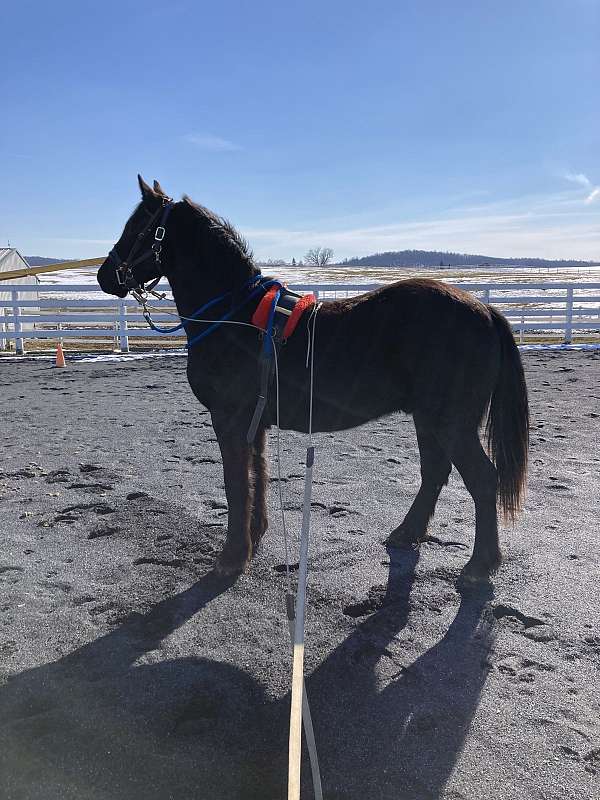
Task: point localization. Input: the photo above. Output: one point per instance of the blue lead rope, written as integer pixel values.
(262, 285)
(197, 313)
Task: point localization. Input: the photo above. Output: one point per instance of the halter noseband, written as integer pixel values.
(124, 267)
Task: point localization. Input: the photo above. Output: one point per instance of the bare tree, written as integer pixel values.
(319, 256)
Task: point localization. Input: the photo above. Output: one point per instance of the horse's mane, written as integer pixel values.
(223, 230)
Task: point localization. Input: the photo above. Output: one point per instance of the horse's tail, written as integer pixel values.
(507, 428)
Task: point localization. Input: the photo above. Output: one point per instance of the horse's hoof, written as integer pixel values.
(475, 575)
(468, 580)
(226, 568)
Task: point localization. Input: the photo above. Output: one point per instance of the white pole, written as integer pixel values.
(295, 745)
(123, 338)
(307, 724)
(569, 317)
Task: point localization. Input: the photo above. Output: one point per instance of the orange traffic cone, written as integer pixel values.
(60, 356)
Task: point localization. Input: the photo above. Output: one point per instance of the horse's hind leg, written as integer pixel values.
(435, 469)
(480, 478)
(259, 521)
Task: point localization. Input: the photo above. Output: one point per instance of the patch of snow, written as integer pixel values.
(559, 347)
(76, 359)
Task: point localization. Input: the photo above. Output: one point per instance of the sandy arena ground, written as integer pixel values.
(128, 671)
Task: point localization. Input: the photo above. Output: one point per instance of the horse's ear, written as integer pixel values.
(144, 188)
(159, 190)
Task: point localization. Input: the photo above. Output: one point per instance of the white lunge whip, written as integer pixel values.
(295, 745)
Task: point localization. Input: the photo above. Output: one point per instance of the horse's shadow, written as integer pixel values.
(401, 741)
(96, 724)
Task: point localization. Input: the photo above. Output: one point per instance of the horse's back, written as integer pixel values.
(413, 345)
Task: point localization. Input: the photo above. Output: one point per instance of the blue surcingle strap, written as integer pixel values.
(259, 283)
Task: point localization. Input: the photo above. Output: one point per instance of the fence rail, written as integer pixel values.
(546, 308)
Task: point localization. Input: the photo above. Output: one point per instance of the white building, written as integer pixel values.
(11, 259)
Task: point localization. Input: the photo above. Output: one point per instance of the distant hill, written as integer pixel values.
(40, 261)
(409, 258)
(438, 258)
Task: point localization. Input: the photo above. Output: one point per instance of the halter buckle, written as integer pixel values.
(159, 234)
(156, 249)
(120, 272)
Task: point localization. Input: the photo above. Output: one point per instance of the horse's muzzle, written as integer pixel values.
(107, 279)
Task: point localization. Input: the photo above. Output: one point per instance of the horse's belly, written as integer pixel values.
(336, 410)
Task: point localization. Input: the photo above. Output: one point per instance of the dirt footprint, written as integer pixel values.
(518, 622)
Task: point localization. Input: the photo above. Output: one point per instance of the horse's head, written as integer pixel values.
(137, 257)
(206, 247)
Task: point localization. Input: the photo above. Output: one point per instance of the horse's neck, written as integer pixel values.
(191, 293)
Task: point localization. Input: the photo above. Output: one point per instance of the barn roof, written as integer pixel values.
(14, 254)
(11, 259)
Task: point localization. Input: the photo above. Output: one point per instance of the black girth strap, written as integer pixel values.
(283, 311)
(281, 314)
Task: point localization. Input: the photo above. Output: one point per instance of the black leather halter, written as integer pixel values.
(124, 267)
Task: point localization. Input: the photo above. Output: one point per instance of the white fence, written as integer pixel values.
(79, 312)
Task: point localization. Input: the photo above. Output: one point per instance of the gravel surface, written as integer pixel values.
(127, 670)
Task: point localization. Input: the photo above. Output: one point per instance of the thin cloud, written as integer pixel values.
(583, 180)
(213, 144)
(593, 195)
(578, 177)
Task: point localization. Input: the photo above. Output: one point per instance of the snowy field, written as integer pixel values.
(377, 275)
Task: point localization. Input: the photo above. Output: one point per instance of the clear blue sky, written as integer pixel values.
(470, 126)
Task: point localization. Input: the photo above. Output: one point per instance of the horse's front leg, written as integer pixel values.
(259, 521)
(237, 470)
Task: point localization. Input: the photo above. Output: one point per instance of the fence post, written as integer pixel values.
(123, 338)
(19, 345)
(569, 317)
(486, 296)
(4, 327)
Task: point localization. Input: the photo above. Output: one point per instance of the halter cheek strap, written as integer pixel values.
(124, 267)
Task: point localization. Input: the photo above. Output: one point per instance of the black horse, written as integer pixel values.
(419, 346)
